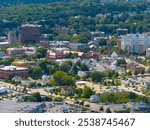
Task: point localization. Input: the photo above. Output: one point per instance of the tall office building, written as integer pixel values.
(30, 33)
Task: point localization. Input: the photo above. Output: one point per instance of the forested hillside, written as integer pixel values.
(79, 16)
(25, 1)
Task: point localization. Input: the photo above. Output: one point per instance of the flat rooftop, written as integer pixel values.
(4, 43)
(12, 68)
(18, 107)
(31, 25)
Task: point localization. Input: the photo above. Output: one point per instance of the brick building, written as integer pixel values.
(7, 72)
(55, 54)
(30, 33)
(132, 66)
(15, 51)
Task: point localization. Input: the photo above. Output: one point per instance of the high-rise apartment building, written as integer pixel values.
(135, 42)
(30, 33)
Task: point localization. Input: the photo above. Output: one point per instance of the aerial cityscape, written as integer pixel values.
(75, 56)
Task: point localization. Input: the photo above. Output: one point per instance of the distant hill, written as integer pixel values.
(25, 1)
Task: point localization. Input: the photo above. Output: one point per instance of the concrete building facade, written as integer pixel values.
(135, 42)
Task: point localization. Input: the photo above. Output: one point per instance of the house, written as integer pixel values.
(25, 82)
(16, 79)
(133, 66)
(148, 85)
(76, 46)
(94, 99)
(45, 78)
(81, 74)
(92, 45)
(114, 55)
(67, 90)
(93, 55)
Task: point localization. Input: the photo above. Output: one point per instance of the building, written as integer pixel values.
(55, 44)
(30, 33)
(24, 63)
(94, 99)
(55, 54)
(82, 74)
(15, 51)
(120, 31)
(93, 55)
(7, 72)
(133, 66)
(76, 46)
(67, 90)
(148, 85)
(114, 55)
(93, 45)
(148, 53)
(21, 107)
(2, 54)
(4, 44)
(3, 90)
(21, 51)
(135, 42)
(12, 38)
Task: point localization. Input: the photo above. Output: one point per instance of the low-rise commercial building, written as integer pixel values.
(20, 51)
(7, 72)
(21, 107)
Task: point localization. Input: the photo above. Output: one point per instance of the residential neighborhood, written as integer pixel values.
(47, 66)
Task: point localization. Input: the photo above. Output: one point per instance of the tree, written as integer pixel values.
(36, 72)
(43, 66)
(84, 67)
(74, 71)
(132, 95)
(37, 96)
(108, 110)
(101, 108)
(87, 92)
(102, 42)
(78, 63)
(96, 76)
(135, 72)
(116, 75)
(109, 74)
(41, 52)
(65, 67)
(121, 62)
(61, 78)
(51, 70)
(129, 73)
(142, 71)
(78, 91)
